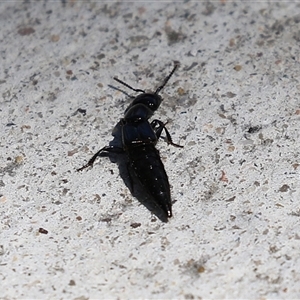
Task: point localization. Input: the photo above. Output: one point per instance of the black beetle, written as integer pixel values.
(139, 138)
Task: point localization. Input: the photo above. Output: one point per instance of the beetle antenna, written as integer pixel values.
(127, 85)
(166, 80)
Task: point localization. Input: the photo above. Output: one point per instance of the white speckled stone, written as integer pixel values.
(233, 104)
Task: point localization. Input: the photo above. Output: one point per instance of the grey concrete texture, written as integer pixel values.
(234, 106)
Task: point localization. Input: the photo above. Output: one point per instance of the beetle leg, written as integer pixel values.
(104, 149)
(158, 126)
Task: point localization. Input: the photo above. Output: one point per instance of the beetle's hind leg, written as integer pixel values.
(158, 126)
(102, 150)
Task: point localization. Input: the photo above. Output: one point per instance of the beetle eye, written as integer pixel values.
(153, 106)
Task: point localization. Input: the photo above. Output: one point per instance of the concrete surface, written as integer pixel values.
(233, 104)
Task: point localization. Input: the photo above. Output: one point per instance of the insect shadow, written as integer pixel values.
(128, 176)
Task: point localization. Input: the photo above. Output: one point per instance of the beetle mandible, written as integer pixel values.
(139, 138)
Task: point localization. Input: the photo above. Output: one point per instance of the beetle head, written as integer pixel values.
(152, 101)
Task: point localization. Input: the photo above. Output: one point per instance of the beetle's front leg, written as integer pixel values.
(158, 126)
(90, 163)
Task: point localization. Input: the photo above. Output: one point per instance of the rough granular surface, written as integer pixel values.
(234, 104)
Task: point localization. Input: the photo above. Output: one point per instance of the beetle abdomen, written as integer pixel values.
(150, 170)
